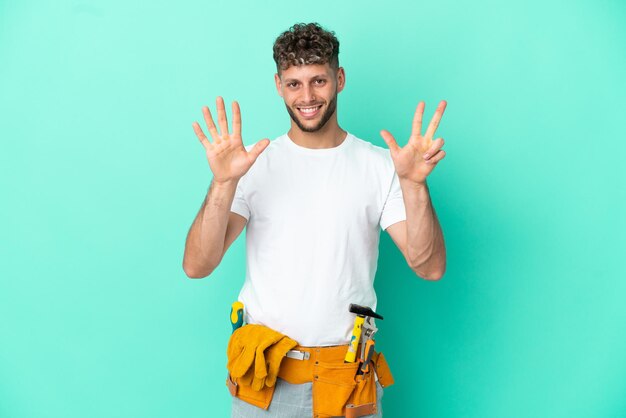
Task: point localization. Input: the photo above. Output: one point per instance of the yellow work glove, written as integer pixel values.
(274, 356)
(245, 345)
(267, 364)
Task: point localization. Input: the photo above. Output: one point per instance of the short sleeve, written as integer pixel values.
(240, 205)
(393, 209)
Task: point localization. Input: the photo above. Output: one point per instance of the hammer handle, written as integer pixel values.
(354, 342)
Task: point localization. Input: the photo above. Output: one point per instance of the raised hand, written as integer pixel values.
(227, 156)
(417, 159)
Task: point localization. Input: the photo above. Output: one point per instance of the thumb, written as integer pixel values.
(390, 141)
(258, 148)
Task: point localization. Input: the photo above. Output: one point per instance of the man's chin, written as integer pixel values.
(310, 128)
(309, 125)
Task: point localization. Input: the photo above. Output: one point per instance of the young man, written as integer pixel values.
(314, 201)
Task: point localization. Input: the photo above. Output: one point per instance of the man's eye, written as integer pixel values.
(291, 84)
(319, 81)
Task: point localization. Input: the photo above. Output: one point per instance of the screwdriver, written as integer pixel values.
(236, 315)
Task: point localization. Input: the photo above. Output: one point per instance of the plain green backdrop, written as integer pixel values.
(102, 175)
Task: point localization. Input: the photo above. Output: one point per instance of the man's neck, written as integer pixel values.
(330, 136)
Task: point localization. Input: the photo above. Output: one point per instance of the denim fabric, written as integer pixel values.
(290, 401)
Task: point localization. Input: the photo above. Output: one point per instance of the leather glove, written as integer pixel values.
(265, 375)
(274, 356)
(245, 345)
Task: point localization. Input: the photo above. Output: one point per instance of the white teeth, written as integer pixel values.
(309, 109)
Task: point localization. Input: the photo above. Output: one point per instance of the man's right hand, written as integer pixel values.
(227, 156)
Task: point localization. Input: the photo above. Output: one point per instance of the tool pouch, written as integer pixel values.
(333, 383)
(261, 398)
(363, 400)
(337, 391)
(385, 378)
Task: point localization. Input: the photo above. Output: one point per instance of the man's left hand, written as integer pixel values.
(417, 159)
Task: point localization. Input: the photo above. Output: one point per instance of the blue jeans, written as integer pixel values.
(290, 401)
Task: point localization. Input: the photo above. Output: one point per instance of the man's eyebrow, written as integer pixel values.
(289, 80)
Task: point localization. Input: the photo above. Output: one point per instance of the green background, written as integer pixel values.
(102, 175)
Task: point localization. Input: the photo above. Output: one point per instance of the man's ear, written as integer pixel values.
(278, 85)
(341, 79)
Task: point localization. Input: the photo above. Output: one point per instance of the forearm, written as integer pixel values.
(205, 241)
(426, 252)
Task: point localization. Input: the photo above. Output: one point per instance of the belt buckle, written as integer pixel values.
(298, 355)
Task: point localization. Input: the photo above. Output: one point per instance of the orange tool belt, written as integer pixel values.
(337, 390)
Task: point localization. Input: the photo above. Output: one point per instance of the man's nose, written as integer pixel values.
(309, 94)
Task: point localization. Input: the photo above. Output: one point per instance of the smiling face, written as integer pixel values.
(310, 94)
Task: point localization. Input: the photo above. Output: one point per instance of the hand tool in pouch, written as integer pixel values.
(236, 315)
(367, 347)
(236, 320)
(364, 320)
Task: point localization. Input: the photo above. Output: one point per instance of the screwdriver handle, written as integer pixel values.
(236, 315)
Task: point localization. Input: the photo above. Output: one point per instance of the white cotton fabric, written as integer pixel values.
(314, 221)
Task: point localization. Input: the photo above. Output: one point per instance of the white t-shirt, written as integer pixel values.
(314, 222)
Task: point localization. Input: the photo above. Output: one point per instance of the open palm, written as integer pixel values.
(417, 159)
(227, 155)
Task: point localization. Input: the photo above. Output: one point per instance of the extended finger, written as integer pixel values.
(208, 119)
(390, 141)
(436, 146)
(434, 122)
(236, 119)
(200, 134)
(258, 148)
(417, 119)
(221, 118)
(436, 158)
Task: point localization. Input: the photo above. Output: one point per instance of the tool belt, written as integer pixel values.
(337, 390)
